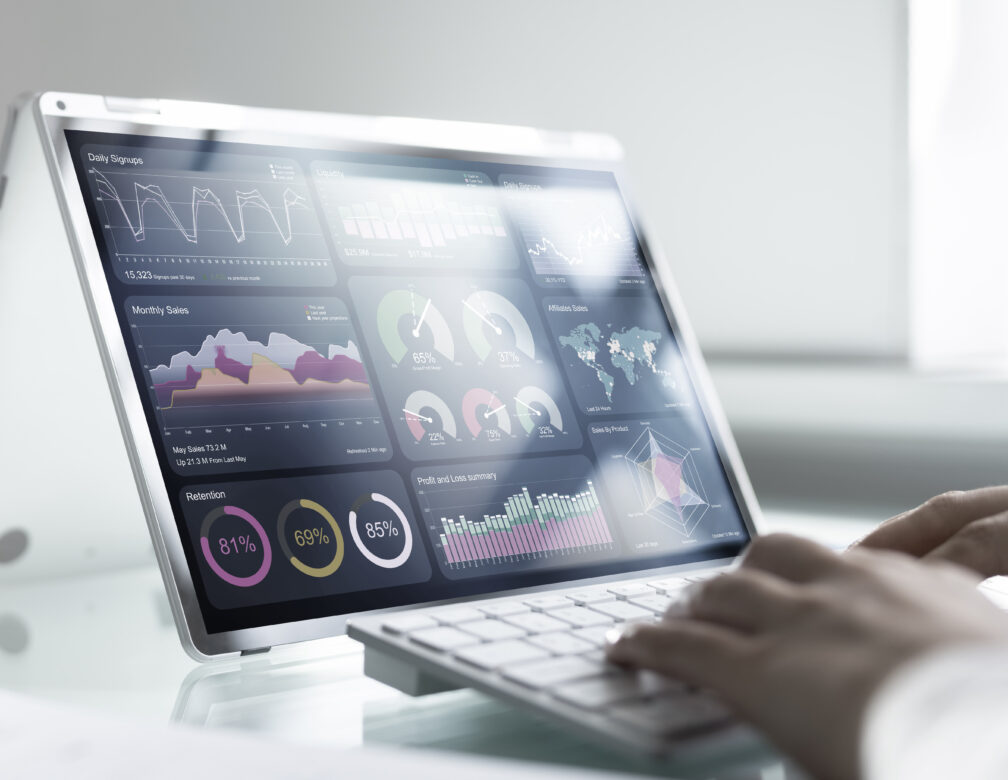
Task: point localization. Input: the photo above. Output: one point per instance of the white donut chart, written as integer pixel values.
(385, 563)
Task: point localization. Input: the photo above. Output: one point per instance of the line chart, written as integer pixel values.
(573, 231)
(152, 193)
(597, 234)
(208, 219)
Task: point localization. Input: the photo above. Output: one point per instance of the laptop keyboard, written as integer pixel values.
(547, 650)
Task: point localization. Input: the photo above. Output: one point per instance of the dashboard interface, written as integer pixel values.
(375, 379)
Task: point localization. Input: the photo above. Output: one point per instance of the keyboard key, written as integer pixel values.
(590, 596)
(706, 575)
(502, 608)
(442, 638)
(630, 589)
(546, 603)
(656, 603)
(542, 674)
(582, 617)
(454, 615)
(561, 643)
(494, 654)
(409, 621)
(594, 634)
(620, 687)
(671, 586)
(599, 692)
(622, 610)
(674, 714)
(492, 630)
(536, 622)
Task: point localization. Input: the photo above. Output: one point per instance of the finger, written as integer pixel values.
(981, 546)
(746, 600)
(934, 522)
(790, 557)
(699, 654)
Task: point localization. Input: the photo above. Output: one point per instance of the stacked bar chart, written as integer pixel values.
(409, 216)
(497, 517)
(547, 523)
(421, 216)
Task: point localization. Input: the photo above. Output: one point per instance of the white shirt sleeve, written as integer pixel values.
(942, 716)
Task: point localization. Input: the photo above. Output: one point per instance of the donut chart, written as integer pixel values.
(385, 526)
(242, 545)
(337, 537)
(307, 536)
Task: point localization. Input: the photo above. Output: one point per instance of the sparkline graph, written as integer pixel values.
(208, 219)
(597, 235)
(574, 231)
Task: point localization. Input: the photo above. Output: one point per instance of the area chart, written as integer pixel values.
(247, 383)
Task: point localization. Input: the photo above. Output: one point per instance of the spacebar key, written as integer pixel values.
(494, 654)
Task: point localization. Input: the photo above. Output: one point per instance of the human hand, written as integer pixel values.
(969, 528)
(797, 639)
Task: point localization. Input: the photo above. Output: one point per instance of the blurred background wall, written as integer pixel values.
(767, 141)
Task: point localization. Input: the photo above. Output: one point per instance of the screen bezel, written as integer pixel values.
(57, 112)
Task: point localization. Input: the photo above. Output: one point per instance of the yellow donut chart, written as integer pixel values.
(313, 506)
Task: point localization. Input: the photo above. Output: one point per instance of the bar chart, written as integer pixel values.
(409, 216)
(545, 523)
(513, 516)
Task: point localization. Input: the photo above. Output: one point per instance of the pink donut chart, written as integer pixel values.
(267, 551)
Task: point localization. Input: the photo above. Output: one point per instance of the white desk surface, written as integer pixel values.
(106, 641)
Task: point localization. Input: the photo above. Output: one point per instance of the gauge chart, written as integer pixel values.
(537, 412)
(512, 516)
(485, 415)
(429, 418)
(273, 540)
(497, 331)
(245, 384)
(413, 329)
(207, 218)
(462, 366)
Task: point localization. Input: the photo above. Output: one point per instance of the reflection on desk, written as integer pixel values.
(107, 641)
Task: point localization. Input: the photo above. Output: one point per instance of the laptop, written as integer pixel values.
(424, 382)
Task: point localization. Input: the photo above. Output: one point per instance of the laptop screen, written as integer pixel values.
(381, 379)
